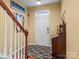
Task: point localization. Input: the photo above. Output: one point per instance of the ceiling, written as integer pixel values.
(32, 3)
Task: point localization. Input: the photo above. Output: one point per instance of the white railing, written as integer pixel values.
(18, 53)
(16, 47)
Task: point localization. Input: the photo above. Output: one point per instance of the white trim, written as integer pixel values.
(21, 44)
(31, 44)
(36, 44)
(15, 41)
(24, 46)
(18, 47)
(10, 39)
(5, 34)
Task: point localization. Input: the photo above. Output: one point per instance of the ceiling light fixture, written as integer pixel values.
(38, 2)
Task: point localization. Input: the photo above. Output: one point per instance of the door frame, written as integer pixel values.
(49, 25)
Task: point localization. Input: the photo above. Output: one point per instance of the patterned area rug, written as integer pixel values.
(40, 52)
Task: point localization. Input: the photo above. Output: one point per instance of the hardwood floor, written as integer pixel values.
(31, 58)
(28, 57)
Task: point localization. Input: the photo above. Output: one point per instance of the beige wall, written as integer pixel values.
(8, 25)
(72, 20)
(55, 10)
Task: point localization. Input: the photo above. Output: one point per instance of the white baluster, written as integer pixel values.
(15, 43)
(24, 45)
(18, 47)
(5, 34)
(10, 39)
(21, 45)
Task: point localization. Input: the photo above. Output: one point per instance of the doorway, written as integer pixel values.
(42, 28)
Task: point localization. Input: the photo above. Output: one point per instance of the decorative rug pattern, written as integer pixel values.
(40, 52)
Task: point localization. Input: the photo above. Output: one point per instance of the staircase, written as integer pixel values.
(18, 52)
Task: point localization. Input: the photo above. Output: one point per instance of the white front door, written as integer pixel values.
(42, 28)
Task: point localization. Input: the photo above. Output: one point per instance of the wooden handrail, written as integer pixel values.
(17, 23)
(12, 16)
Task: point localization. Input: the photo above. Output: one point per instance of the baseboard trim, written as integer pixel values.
(31, 44)
(36, 44)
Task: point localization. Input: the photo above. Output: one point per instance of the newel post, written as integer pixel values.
(26, 46)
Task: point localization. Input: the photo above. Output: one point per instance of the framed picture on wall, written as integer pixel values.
(17, 7)
(20, 19)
